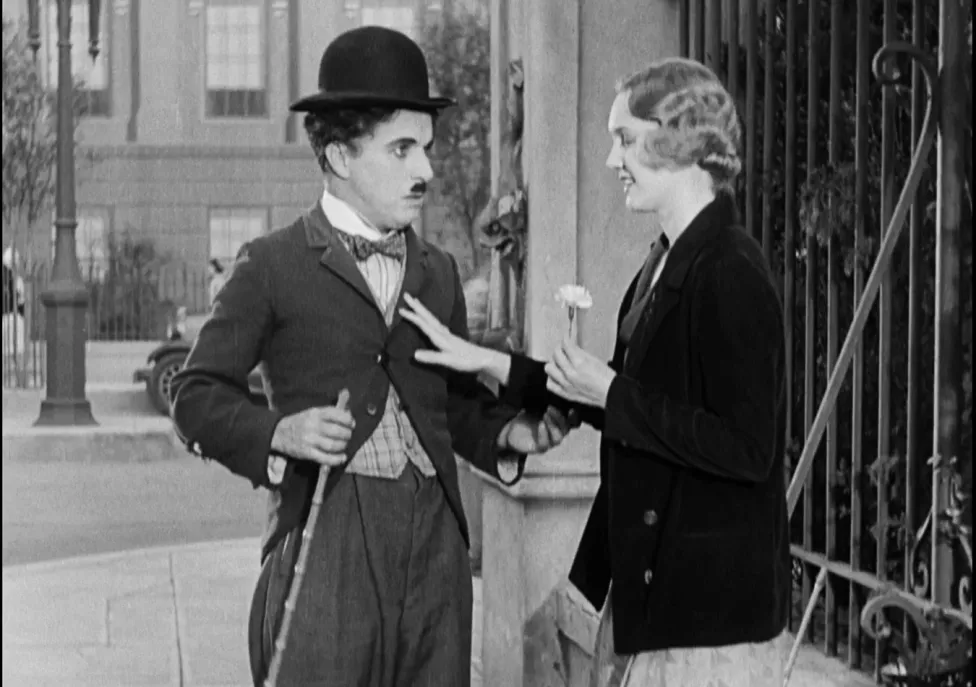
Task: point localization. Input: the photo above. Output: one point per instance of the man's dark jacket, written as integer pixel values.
(297, 302)
(690, 518)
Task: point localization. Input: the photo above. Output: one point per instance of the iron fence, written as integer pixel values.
(829, 146)
(127, 303)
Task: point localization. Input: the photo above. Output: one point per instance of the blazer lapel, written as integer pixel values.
(663, 299)
(415, 272)
(321, 235)
(667, 292)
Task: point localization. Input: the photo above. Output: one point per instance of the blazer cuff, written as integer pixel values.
(510, 467)
(254, 442)
(526, 389)
(506, 464)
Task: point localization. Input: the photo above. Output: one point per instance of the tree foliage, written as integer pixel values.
(29, 139)
(458, 49)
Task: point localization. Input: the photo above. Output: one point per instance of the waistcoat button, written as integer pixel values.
(648, 576)
(650, 518)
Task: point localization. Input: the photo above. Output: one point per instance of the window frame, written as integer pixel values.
(401, 6)
(250, 210)
(103, 97)
(265, 63)
(103, 214)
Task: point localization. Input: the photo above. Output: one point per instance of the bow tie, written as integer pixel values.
(392, 246)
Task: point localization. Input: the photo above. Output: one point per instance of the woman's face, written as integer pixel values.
(647, 189)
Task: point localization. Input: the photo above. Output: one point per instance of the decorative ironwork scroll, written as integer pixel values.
(943, 651)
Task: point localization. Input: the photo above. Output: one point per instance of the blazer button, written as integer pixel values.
(648, 576)
(650, 518)
(371, 408)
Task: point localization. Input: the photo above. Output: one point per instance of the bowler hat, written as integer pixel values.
(372, 66)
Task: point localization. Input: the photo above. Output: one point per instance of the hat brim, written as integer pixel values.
(323, 102)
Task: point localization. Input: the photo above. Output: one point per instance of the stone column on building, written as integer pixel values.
(579, 232)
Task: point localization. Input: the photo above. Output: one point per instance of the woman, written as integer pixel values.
(686, 546)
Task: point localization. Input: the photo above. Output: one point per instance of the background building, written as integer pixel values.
(186, 145)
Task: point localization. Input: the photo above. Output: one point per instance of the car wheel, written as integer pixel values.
(161, 382)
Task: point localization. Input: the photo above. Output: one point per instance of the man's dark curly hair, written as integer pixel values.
(345, 126)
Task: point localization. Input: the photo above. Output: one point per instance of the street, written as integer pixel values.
(59, 510)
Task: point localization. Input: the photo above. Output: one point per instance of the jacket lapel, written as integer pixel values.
(415, 272)
(321, 235)
(666, 293)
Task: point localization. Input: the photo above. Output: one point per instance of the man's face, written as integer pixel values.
(647, 189)
(390, 172)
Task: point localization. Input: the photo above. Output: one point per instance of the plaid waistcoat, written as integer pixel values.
(394, 441)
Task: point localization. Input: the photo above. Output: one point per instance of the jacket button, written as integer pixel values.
(650, 518)
(371, 408)
(648, 576)
(380, 358)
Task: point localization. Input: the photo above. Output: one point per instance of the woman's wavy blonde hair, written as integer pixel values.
(699, 124)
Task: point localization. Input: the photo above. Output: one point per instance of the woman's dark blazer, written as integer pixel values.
(690, 520)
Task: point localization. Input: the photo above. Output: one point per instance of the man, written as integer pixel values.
(386, 599)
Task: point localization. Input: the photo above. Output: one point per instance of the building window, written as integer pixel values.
(91, 78)
(235, 59)
(231, 228)
(399, 18)
(91, 244)
(352, 8)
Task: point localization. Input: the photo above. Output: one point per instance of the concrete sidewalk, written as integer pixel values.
(173, 616)
(167, 616)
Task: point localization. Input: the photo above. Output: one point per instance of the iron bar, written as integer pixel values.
(812, 278)
(769, 113)
(700, 30)
(713, 52)
(684, 28)
(948, 393)
(833, 324)
(885, 325)
(913, 446)
(881, 263)
(872, 583)
(752, 66)
(805, 623)
(733, 57)
(861, 133)
(789, 210)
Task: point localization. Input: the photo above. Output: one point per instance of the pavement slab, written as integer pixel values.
(176, 617)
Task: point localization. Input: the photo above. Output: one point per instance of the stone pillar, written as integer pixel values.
(579, 232)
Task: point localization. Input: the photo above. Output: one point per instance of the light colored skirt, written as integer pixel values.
(739, 665)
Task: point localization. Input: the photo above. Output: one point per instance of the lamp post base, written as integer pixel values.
(61, 412)
(66, 309)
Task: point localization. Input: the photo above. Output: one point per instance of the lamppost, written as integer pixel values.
(66, 298)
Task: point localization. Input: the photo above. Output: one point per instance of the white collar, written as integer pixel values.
(345, 218)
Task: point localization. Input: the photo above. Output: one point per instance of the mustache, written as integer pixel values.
(418, 189)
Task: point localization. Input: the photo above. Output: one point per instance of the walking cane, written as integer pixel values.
(296, 582)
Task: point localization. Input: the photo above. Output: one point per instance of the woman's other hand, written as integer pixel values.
(579, 376)
(449, 350)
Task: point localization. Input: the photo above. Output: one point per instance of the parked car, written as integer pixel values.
(168, 358)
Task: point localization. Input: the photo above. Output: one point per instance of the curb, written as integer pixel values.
(123, 440)
(115, 556)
